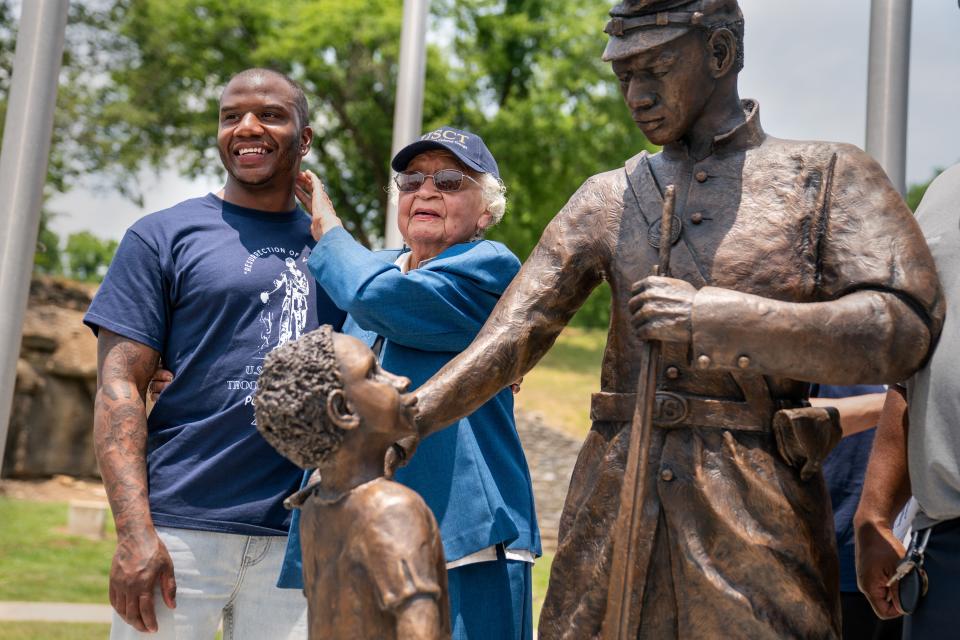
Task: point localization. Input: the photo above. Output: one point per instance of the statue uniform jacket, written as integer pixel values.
(808, 266)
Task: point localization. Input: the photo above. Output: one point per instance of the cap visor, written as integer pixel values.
(412, 150)
(640, 40)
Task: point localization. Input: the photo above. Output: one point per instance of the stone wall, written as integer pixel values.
(51, 426)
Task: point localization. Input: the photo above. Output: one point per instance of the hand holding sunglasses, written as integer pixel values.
(446, 180)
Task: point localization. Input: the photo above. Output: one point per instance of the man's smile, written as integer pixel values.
(250, 153)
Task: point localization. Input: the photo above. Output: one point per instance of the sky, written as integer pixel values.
(806, 63)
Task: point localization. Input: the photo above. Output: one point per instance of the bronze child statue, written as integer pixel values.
(373, 562)
(791, 261)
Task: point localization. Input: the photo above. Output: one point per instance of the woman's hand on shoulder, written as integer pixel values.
(161, 380)
(311, 194)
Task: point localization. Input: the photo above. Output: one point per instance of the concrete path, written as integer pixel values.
(63, 612)
(551, 455)
(55, 612)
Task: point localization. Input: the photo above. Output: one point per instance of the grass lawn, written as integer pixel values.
(541, 574)
(52, 631)
(559, 387)
(56, 631)
(39, 562)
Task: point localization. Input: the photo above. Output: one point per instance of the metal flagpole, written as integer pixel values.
(888, 82)
(23, 170)
(408, 112)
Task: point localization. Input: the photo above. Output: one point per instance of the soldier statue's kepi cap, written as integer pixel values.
(638, 25)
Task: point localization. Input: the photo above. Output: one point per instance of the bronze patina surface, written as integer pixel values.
(373, 563)
(797, 261)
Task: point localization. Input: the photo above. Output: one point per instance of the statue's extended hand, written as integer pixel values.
(662, 309)
(399, 454)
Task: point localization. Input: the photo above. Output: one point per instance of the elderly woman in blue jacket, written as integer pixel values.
(418, 308)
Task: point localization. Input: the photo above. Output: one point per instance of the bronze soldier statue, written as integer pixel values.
(792, 261)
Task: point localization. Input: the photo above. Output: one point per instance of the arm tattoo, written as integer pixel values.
(120, 427)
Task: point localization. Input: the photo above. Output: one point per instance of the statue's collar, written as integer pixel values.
(313, 489)
(745, 135)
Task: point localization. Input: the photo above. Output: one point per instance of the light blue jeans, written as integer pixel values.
(228, 577)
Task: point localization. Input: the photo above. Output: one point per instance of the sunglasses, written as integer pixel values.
(443, 180)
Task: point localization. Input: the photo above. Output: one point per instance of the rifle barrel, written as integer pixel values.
(618, 623)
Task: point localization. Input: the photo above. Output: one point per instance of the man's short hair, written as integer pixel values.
(291, 399)
(300, 104)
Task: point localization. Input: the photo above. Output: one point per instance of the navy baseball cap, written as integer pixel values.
(467, 147)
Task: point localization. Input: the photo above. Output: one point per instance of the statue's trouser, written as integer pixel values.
(733, 541)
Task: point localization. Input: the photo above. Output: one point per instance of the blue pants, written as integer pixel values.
(492, 601)
(937, 615)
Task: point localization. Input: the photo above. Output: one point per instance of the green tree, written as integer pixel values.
(546, 104)
(548, 107)
(75, 117)
(88, 256)
(47, 259)
(915, 192)
(167, 62)
(525, 74)
(141, 81)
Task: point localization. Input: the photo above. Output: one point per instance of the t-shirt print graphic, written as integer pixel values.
(284, 319)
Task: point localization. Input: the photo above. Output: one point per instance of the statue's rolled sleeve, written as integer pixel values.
(873, 337)
(877, 306)
(871, 240)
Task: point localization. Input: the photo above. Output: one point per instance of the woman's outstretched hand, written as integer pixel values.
(311, 194)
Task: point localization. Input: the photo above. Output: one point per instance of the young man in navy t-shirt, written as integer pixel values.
(208, 287)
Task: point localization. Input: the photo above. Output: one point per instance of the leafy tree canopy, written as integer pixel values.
(75, 119)
(87, 256)
(141, 83)
(916, 192)
(525, 74)
(141, 80)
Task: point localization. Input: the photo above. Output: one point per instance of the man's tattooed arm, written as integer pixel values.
(124, 368)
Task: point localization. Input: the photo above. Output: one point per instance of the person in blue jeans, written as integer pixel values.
(844, 471)
(210, 285)
(418, 308)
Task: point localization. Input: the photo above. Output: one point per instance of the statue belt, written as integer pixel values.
(673, 409)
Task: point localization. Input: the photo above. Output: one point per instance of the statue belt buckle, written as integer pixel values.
(669, 409)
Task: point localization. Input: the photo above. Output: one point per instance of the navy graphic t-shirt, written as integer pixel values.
(214, 287)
